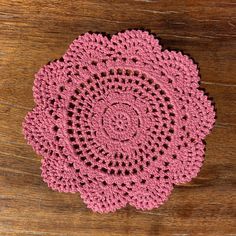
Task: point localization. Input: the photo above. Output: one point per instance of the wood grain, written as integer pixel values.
(35, 32)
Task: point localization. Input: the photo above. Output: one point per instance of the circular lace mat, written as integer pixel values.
(119, 120)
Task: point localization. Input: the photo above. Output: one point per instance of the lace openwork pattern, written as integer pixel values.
(119, 120)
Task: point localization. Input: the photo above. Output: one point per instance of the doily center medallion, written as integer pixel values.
(120, 121)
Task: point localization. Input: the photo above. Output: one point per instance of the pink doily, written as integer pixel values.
(119, 121)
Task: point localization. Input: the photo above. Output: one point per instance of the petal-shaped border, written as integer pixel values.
(102, 198)
(87, 48)
(202, 114)
(60, 175)
(181, 68)
(38, 130)
(136, 45)
(52, 82)
(187, 161)
(152, 194)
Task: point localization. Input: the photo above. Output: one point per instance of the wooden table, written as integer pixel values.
(35, 32)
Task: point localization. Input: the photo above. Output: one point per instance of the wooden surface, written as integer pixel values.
(35, 32)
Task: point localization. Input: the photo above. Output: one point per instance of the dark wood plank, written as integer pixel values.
(35, 32)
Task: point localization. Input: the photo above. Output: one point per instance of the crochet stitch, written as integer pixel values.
(119, 120)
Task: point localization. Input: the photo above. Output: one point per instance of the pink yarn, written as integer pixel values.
(120, 121)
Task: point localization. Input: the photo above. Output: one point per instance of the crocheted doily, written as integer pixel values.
(119, 120)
